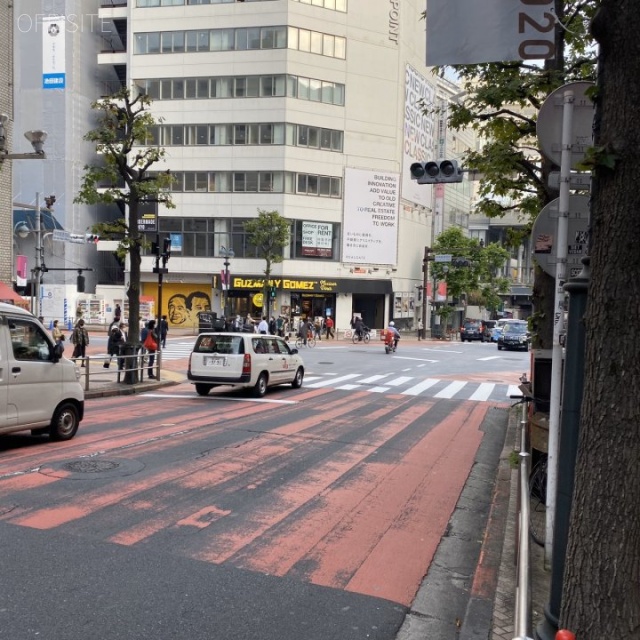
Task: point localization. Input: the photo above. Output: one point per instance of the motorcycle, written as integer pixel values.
(390, 342)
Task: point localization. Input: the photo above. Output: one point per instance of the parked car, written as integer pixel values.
(471, 330)
(243, 361)
(515, 335)
(40, 389)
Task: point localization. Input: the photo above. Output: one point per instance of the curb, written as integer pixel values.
(172, 378)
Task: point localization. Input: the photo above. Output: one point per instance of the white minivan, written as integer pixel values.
(40, 390)
(243, 361)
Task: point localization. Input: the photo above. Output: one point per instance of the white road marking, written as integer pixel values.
(451, 389)
(489, 358)
(217, 397)
(327, 383)
(396, 382)
(513, 390)
(420, 387)
(374, 378)
(418, 359)
(378, 389)
(483, 392)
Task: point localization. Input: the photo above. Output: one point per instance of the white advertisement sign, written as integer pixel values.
(317, 239)
(419, 133)
(489, 31)
(53, 52)
(370, 228)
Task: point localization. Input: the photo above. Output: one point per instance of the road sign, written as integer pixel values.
(60, 235)
(549, 127)
(577, 181)
(444, 257)
(544, 232)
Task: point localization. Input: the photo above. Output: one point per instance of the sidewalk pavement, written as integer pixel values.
(489, 592)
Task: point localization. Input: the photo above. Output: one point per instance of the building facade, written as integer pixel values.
(311, 109)
(6, 107)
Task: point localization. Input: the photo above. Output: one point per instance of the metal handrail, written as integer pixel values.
(138, 362)
(522, 614)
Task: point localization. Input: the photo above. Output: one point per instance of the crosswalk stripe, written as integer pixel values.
(378, 389)
(374, 378)
(327, 383)
(398, 381)
(420, 387)
(451, 389)
(483, 391)
(513, 390)
(349, 387)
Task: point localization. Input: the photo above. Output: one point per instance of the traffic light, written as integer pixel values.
(166, 251)
(436, 171)
(92, 237)
(272, 292)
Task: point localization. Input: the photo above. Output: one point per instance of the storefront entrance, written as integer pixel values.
(371, 308)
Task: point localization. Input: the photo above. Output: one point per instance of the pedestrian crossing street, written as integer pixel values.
(416, 386)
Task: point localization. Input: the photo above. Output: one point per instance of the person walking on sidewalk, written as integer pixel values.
(151, 345)
(80, 340)
(164, 330)
(420, 330)
(328, 325)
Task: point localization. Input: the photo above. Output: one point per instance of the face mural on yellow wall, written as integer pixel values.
(182, 302)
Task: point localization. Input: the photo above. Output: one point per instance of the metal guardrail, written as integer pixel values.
(127, 369)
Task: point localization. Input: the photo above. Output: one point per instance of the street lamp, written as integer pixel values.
(226, 254)
(36, 137)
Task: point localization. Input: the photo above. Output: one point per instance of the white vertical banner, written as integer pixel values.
(370, 225)
(419, 133)
(53, 52)
(469, 32)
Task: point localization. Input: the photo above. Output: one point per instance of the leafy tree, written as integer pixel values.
(269, 234)
(501, 104)
(125, 177)
(601, 590)
(480, 277)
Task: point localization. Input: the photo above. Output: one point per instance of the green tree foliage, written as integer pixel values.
(480, 278)
(269, 234)
(125, 174)
(501, 103)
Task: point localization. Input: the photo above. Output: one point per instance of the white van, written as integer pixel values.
(243, 361)
(40, 390)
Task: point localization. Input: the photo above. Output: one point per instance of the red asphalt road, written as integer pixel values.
(338, 489)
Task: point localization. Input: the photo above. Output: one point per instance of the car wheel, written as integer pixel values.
(203, 389)
(297, 381)
(499, 347)
(65, 422)
(260, 387)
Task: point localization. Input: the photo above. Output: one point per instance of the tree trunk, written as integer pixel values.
(601, 590)
(133, 290)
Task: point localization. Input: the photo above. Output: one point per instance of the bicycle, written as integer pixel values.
(311, 342)
(538, 501)
(365, 337)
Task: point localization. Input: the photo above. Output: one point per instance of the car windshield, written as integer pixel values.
(219, 343)
(515, 328)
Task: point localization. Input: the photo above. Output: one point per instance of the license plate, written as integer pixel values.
(213, 361)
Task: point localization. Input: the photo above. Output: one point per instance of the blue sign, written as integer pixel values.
(53, 80)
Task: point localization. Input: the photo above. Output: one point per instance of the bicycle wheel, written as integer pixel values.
(299, 343)
(538, 501)
(366, 338)
(311, 342)
(355, 338)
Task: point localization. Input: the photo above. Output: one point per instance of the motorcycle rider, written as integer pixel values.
(391, 329)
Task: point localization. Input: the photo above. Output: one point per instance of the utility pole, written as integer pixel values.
(425, 281)
(165, 254)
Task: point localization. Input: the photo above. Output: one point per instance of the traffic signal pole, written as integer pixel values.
(425, 281)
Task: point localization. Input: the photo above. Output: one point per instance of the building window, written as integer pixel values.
(244, 87)
(333, 5)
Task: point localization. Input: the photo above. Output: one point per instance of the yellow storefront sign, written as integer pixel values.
(257, 300)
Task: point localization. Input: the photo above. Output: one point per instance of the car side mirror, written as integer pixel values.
(294, 350)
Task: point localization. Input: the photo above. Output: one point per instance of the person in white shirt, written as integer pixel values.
(263, 327)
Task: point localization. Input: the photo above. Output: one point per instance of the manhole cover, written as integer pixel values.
(92, 468)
